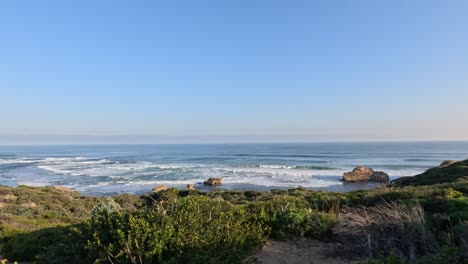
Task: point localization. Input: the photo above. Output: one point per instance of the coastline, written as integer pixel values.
(200, 187)
(343, 187)
(38, 221)
(114, 169)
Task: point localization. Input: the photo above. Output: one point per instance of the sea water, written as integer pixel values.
(114, 169)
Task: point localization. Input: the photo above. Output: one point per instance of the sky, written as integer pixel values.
(232, 71)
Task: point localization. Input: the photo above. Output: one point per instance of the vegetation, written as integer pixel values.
(457, 172)
(407, 224)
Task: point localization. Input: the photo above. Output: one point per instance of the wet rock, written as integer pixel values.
(379, 176)
(362, 174)
(213, 181)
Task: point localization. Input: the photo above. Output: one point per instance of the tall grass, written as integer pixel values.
(387, 227)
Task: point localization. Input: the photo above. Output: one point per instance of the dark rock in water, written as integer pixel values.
(379, 176)
(360, 174)
(213, 181)
(159, 188)
(447, 163)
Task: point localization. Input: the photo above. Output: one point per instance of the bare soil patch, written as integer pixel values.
(300, 251)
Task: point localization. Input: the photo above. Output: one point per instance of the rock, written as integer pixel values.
(379, 176)
(213, 181)
(360, 174)
(190, 187)
(29, 205)
(447, 163)
(159, 188)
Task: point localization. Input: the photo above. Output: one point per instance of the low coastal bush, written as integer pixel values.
(291, 216)
(186, 230)
(456, 172)
(57, 225)
(302, 223)
(47, 245)
(445, 255)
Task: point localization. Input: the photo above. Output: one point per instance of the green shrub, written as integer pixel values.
(445, 255)
(192, 229)
(302, 222)
(48, 245)
(456, 172)
(253, 195)
(52, 225)
(288, 216)
(388, 259)
(326, 201)
(166, 195)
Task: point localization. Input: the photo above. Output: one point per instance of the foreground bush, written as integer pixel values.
(446, 254)
(186, 230)
(290, 216)
(423, 224)
(44, 245)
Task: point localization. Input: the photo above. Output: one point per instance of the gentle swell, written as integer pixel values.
(286, 156)
(103, 175)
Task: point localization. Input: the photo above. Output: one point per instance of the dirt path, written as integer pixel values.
(298, 252)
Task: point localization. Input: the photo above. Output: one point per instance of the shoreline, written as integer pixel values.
(113, 170)
(43, 219)
(338, 188)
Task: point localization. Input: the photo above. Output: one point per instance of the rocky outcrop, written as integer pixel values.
(213, 181)
(190, 187)
(379, 176)
(159, 188)
(447, 163)
(360, 174)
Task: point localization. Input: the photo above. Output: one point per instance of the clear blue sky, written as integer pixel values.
(240, 70)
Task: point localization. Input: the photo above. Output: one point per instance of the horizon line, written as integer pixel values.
(241, 143)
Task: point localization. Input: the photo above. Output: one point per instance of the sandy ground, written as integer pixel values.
(300, 251)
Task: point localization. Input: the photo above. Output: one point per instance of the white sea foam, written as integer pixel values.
(278, 171)
(265, 181)
(53, 159)
(140, 175)
(17, 161)
(58, 170)
(276, 167)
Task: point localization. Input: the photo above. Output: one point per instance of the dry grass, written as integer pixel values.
(387, 227)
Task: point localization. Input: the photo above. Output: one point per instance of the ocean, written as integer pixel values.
(115, 169)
